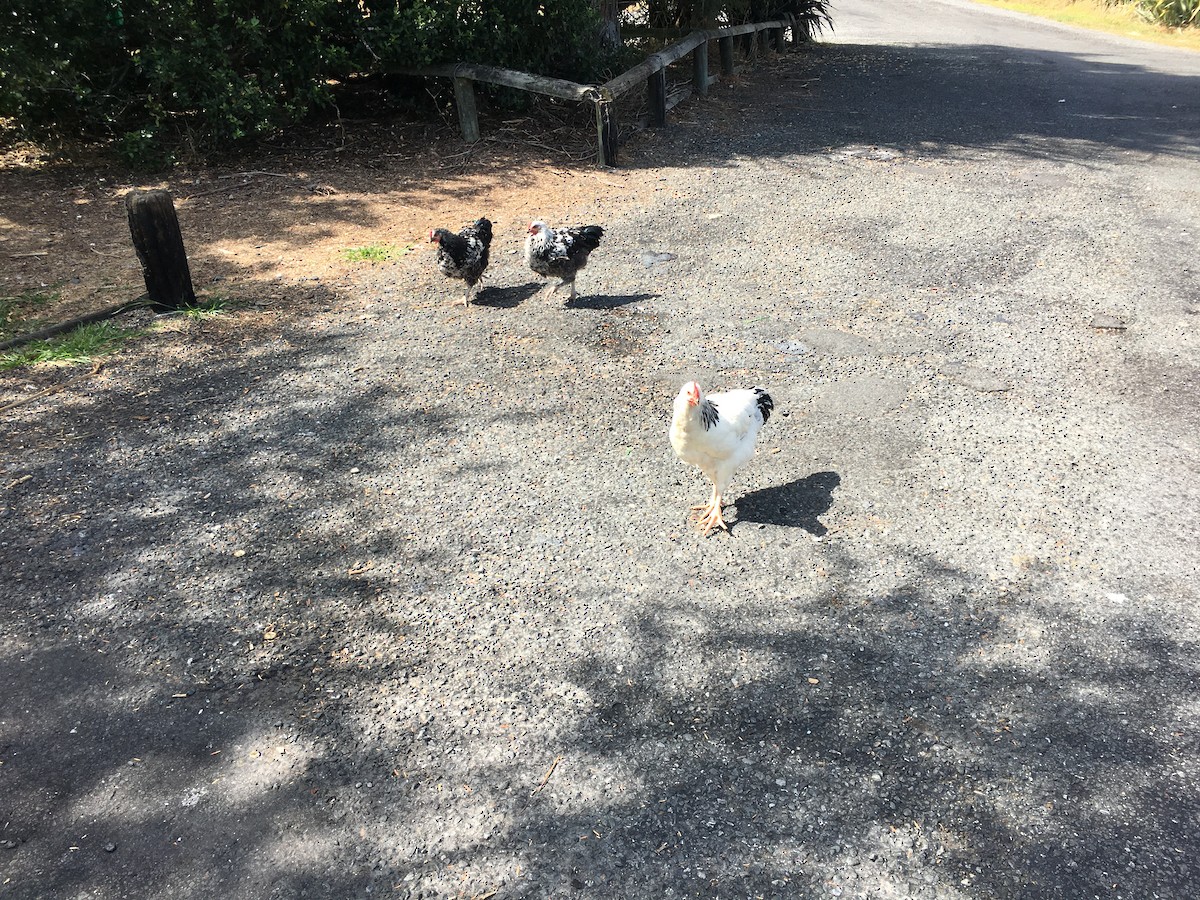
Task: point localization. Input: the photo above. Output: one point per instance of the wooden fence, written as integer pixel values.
(652, 72)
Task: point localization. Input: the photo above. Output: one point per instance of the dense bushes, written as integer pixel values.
(161, 75)
(158, 77)
(154, 74)
(707, 13)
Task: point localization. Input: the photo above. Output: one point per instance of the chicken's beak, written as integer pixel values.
(693, 394)
(533, 229)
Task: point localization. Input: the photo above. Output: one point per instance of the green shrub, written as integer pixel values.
(1172, 13)
(710, 13)
(161, 77)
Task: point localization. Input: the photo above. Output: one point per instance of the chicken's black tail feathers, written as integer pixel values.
(765, 403)
(589, 236)
(483, 228)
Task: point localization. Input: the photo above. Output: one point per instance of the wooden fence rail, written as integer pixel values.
(652, 72)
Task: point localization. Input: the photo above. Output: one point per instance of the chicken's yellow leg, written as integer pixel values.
(714, 519)
(707, 507)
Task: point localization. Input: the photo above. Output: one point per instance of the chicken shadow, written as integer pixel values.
(793, 505)
(607, 301)
(509, 296)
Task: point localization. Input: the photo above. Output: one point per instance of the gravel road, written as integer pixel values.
(403, 601)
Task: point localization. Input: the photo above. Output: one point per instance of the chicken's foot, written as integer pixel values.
(710, 514)
(713, 519)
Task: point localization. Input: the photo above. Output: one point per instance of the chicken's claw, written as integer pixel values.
(710, 515)
(713, 520)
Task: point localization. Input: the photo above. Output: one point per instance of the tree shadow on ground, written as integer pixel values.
(875, 746)
(154, 742)
(793, 505)
(234, 654)
(886, 103)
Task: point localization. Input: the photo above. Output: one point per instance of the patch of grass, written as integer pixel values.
(79, 346)
(375, 252)
(208, 309)
(18, 314)
(1115, 18)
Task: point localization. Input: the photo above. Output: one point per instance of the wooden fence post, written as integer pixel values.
(656, 94)
(780, 46)
(606, 134)
(700, 69)
(154, 227)
(725, 46)
(468, 117)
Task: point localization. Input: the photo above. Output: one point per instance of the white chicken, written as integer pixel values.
(717, 435)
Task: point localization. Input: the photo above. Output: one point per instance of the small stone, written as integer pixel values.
(1106, 322)
(109, 848)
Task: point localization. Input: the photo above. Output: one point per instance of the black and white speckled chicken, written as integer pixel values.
(464, 255)
(560, 253)
(717, 435)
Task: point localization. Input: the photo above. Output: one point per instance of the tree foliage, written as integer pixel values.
(709, 13)
(160, 76)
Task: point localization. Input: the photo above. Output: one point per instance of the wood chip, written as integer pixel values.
(546, 777)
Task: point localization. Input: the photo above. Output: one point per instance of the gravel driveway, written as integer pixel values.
(402, 601)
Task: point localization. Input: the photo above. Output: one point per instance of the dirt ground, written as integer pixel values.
(357, 593)
(289, 214)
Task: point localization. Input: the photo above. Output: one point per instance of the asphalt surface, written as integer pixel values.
(409, 605)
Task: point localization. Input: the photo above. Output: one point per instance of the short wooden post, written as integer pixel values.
(725, 46)
(468, 117)
(159, 245)
(777, 33)
(700, 69)
(656, 94)
(606, 134)
(764, 44)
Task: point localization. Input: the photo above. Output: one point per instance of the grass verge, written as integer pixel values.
(1121, 19)
(73, 348)
(375, 252)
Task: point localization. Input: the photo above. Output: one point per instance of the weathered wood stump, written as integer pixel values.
(159, 245)
(607, 138)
